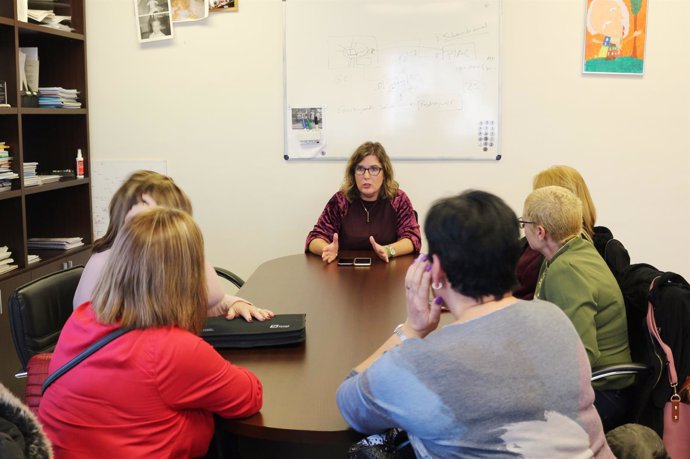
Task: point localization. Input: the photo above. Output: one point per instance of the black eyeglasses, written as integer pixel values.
(373, 170)
(525, 222)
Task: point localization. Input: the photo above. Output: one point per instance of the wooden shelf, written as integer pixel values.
(52, 111)
(10, 194)
(50, 137)
(27, 27)
(55, 186)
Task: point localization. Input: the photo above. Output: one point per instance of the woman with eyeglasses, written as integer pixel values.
(575, 278)
(530, 260)
(506, 378)
(369, 212)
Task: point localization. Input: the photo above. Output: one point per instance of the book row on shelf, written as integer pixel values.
(6, 174)
(31, 177)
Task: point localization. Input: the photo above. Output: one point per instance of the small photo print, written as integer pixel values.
(189, 10)
(307, 118)
(154, 27)
(153, 20)
(222, 5)
(152, 7)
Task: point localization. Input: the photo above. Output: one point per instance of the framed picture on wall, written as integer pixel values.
(615, 37)
(216, 6)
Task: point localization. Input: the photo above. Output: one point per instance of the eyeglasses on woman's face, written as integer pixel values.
(373, 170)
(525, 222)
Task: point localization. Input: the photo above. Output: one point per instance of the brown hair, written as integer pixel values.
(349, 187)
(161, 188)
(157, 278)
(557, 209)
(570, 178)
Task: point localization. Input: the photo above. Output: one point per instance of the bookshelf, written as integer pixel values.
(51, 137)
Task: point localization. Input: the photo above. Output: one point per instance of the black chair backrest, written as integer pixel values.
(39, 310)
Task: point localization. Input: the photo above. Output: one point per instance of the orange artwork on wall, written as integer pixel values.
(615, 36)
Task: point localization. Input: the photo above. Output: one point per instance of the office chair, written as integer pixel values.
(229, 276)
(39, 310)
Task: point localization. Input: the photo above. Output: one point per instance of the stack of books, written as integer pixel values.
(59, 243)
(6, 174)
(6, 260)
(56, 97)
(30, 177)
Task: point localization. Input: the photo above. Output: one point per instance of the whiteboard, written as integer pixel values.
(106, 178)
(421, 77)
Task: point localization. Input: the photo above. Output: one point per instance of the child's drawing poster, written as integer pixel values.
(615, 36)
(189, 10)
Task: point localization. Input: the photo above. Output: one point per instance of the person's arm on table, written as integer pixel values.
(423, 316)
(223, 304)
(322, 239)
(407, 226)
(327, 251)
(354, 399)
(386, 252)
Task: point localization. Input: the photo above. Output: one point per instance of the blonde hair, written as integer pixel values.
(349, 187)
(157, 278)
(570, 178)
(557, 209)
(160, 187)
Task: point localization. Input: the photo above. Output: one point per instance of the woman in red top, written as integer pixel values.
(153, 391)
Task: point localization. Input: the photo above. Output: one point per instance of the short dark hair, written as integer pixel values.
(476, 237)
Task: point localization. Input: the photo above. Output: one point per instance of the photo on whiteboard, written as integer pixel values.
(216, 6)
(307, 118)
(615, 37)
(189, 10)
(155, 27)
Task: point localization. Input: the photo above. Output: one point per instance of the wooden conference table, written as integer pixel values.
(350, 312)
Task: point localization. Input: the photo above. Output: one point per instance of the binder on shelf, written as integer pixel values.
(58, 243)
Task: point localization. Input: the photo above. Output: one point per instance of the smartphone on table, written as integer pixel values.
(357, 261)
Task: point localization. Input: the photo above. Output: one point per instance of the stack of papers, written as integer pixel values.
(49, 19)
(6, 174)
(60, 243)
(6, 260)
(34, 258)
(30, 177)
(48, 179)
(56, 97)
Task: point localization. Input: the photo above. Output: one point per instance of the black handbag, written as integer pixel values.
(392, 444)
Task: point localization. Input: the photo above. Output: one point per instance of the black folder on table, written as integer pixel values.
(280, 330)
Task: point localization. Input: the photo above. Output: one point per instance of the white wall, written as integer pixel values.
(210, 102)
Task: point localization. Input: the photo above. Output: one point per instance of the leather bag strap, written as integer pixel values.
(651, 325)
(83, 355)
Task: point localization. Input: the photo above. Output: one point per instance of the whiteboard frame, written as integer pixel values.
(326, 158)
